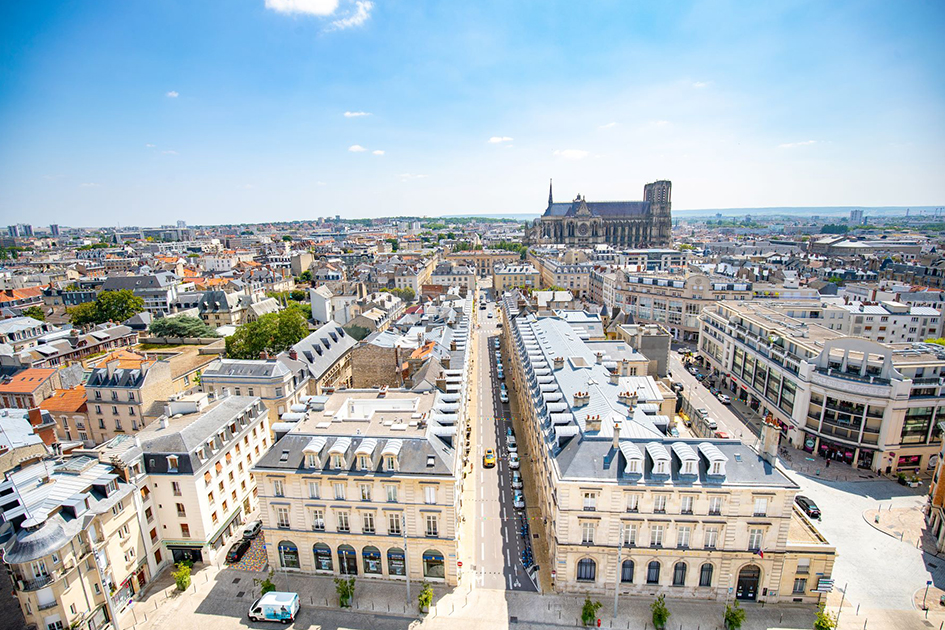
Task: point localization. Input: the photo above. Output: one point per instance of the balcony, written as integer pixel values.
(48, 605)
(34, 584)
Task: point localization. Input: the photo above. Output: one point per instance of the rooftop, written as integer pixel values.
(370, 412)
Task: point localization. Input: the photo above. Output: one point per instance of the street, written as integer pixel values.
(700, 397)
(499, 542)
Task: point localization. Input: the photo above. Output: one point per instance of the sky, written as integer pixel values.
(228, 111)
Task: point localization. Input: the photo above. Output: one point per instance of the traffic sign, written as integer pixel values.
(459, 564)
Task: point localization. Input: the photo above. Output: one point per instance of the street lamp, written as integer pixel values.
(619, 572)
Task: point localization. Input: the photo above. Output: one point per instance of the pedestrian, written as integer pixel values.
(828, 462)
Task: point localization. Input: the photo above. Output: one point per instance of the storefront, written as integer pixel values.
(122, 597)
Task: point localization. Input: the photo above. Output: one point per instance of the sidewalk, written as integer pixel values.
(906, 524)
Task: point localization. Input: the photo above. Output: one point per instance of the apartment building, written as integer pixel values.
(23, 332)
(365, 484)
(126, 395)
(884, 322)
(451, 274)
(573, 277)
(69, 409)
(73, 543)
(869, 404)
(484, 261)
(674, 301)
(326, 355)
(628, 506)
(198, 458)
(158, 290)
(518, 275)
(278, 383)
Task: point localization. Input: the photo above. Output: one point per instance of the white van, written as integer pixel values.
(275, 606)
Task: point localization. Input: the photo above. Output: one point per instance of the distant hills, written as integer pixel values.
(786, 211)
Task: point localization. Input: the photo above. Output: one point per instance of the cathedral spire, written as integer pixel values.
(550, 196)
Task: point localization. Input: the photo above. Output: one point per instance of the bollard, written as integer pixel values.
(857, 610)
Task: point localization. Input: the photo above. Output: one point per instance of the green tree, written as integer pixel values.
(303, 307)
(589, 611)
(266, 584)
(182, 576)
(406, 294)
(660, 612)
(298, 295)
(345, 589)
(823, 620)
(109, 306)
(181, 326)
(734, 616)
(35, 312)
(287, 238)
(305, 276)
(425, 598)
(271, 333)
(394, 244)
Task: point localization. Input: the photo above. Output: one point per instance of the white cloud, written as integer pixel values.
(571, 154)
(499, 139)
(312, 7)
(356, 114)
(362, 12)
(89, 185)
(794, 145)
(378, 152)
(172, 94)
(408, 176)
(356, 148)
(149, 145)
(700, 84)
(609, 125)
(169, 152)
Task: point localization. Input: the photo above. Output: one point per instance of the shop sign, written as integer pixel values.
(809, 442)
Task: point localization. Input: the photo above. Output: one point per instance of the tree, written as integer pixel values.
(305, 276)
(734, 616)
(35, 312)
(181, 326)
(109, 306)
(182, 576)
(272, 333)
(425, 598)
(394, 244)
(589, 611)
(303, 307)
(406, 294)
(298, 295)
(357, 332)
(823, 620)
(345, 589)
(266, 584)
(660, 612)
(287, 238)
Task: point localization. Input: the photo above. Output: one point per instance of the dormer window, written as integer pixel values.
(716, 468)
(171, 463)
(311, 460)
(112, 487)
(336, 461)
(688, 468)
(634, 466)
(390, 463)
(661, 467)
(364, 463)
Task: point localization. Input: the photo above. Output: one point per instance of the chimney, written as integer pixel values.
(293, 354)
(581, 399)
(624, 367)
(616, 443)
(770, 440)
(558, 363)
(600, 357)
(441, 383)
(614, 376)
(111, 366)
(592, 423)
(263, 355)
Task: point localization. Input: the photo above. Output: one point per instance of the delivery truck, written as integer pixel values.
(275, 606)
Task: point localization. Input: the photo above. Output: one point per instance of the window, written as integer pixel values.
(117, 508)
(184, 530)
(629, 534)
(364, 462)
(711, 537)
(586, 570)
(393, 524)
(754, 539)
(282, 517)
(313, 489)
(686, 507)
(171, 463)
(365, 492)
(339, 490)
(389, 463)
(318, 520)
(210, 497)
(311, 460)
(343, 524)
(705, 575)
(715, 505)
(803, 565)
(392, 494)
(682, 538)
(367, 522)
(679, 574)
(633, 502)
(429, 495)
(587, 532)
(626, 572)
(180, 510)
(590, 501)
(653, 572)
(432, 525)
(656, 535)
(761, 506)
(800, 586)
(659, 504)
(336, 461)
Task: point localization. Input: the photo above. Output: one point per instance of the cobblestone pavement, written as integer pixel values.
(906, 524)
(255, 557)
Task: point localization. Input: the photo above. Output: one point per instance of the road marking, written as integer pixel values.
(483, 528)
(482, 557)
(508, 558)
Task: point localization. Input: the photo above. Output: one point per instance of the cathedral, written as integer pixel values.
(625, 224)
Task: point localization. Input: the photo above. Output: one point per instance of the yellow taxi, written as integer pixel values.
(488, 460)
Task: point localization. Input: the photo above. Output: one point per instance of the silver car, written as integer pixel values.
(518, 501)
(516, 480)
(514, 462)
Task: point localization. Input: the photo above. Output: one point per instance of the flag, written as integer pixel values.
(760, 553)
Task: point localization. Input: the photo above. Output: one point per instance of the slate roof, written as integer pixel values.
(322, 349)
(185, 439)
(610, 209)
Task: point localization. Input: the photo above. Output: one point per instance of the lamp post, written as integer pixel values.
(619, 572)
(927, 585)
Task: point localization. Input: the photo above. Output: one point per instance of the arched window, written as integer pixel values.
(586, 570)
(433, 565)
(396, 562)
(322, 553)
(626, 572)
(372, 560)
(288, 555)
(347, 560)
(705, 575)
(679, 574)
(653, 572)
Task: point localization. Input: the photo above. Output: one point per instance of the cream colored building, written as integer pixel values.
(366, 484)
(125, 395)
(516, 275)
(485, 261)
(627, 504)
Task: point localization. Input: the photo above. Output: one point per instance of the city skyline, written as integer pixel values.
(289, 109)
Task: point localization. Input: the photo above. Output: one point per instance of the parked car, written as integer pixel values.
(503, 396)
(237, 550)
(677, 387)
(711, 424)
(489, 315)
(275, 606)
(512, 444)
(516, 480)
(514, 462)
(252, 529)
(518, 500)
(810, 508)
(723, 435)
(508, 431)
(488, 460)
(725, 399)
(500, 374)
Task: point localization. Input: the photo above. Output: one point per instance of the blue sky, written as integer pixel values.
(234, 110)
